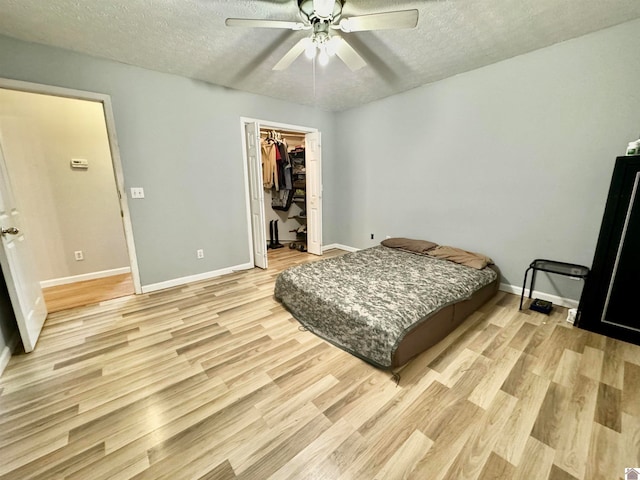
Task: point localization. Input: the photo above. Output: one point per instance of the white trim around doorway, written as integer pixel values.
(105, 100)
(245, 162)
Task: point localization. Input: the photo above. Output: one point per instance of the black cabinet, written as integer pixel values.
(609, 305)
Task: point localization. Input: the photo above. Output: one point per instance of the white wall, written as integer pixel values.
(513, 160)
(64, 209)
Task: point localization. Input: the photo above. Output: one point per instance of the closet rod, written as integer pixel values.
(282, 132)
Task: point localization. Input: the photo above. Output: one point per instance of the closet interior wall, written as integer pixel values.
(285, 224)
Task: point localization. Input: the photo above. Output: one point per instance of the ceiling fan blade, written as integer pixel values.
(249, 22)
(292, 54)
(348, 55)
(379, 21)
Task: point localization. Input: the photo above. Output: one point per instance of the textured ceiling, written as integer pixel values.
(189, 38)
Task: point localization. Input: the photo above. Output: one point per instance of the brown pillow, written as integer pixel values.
(457, 255)
(416, 246)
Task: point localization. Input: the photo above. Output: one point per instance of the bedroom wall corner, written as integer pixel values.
(512, 160)
(339, 246)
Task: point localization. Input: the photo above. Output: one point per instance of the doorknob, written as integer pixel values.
(10, 231)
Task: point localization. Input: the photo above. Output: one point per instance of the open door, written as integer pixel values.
(313, 153)
(19, 274)
(256, 195)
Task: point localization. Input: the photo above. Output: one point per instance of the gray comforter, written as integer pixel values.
(365, 302)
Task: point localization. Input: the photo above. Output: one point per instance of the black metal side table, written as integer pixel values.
(551, 266)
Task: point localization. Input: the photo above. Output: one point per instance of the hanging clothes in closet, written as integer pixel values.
(269, 165)
(276, 171)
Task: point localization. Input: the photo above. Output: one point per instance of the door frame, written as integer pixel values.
(256, 196)
(116, 161)
(270, 125)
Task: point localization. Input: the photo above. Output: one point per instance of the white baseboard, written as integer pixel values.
(54, 282)
(194, 278)
(7, 351)
(563, 302)
(339, 246)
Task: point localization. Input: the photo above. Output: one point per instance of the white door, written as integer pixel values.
(19, 273)
(313, 157)
(256, 195)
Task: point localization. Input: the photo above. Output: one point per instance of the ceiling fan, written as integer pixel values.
(324, 19)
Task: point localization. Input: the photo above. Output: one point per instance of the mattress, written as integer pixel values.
(368, 301)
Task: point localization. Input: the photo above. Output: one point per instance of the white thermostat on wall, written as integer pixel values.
(79, 163)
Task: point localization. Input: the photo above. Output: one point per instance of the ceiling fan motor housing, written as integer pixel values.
(320, 33)
(308, 12)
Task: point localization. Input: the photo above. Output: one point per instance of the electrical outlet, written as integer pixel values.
(79, 255)
(372, 236)
(200, 253)
(137, 192)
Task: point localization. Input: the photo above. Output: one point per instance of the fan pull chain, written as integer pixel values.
(313, 63)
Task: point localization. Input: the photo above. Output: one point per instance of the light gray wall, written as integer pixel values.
(63, 209)
(180, 139)
(512, 160)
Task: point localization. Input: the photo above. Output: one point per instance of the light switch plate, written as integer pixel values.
(137, 192)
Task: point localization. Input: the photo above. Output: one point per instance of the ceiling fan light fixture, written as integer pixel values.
(332, 45)
(310, 49)
(323, 17)
(323, 57)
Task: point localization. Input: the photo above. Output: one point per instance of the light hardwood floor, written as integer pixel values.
(78, 294)
(215, 381)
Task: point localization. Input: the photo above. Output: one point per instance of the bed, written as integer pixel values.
(385, 305)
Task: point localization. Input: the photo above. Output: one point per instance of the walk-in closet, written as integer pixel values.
(285, 189)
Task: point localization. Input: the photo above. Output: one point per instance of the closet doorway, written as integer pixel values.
(284, 209)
